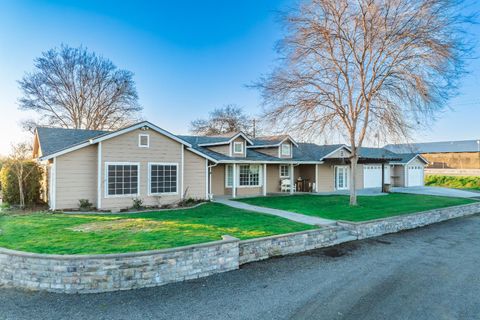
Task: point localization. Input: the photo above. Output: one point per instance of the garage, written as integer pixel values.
(372, 175)
(415, 175)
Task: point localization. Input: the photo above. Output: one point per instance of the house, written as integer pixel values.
(444, 155)
(110, 169)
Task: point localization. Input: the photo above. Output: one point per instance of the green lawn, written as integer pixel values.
(337, 207)
(87, 234)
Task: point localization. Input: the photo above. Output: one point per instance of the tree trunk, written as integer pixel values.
(20, 190)
(353, 179)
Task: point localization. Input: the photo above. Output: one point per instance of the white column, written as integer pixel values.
(292, 180)
(264, 179)
(53, 185)
(182, 189)
(99, 176)
(316, 178)
(234, 181)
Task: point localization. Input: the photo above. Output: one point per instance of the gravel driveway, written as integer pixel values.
(428, 273)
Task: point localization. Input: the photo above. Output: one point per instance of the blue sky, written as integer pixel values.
(188, 56)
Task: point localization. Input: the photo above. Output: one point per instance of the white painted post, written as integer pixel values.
(316, 177)
(99, 176)
(264, 179)
(182, 189)
(292, 180)
(234, 181)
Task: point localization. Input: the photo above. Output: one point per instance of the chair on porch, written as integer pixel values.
(285, 185)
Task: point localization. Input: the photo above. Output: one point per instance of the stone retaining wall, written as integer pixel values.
(111, 272)
(264, 248)
(378, 227)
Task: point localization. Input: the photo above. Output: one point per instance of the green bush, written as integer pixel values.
(137, 204)
(31, 185)
(85, 205)
(459, 182)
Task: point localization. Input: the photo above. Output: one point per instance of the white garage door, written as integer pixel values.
(372, 175)
(414, 175)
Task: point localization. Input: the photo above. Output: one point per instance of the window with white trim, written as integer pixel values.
(229, 176)
(238, 147)
(163, 178)
(122, 179)
(284, 171)
(144, 140)
(286, 149)
(249, 175)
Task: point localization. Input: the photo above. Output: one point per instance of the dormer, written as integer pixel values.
(233, 145)
(275, 146)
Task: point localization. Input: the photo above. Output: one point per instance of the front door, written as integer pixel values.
(341, 177)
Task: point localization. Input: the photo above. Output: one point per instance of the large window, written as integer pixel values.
(122, 179)
(284, 171)
(247, 175)
(286, 149)
(163, 178)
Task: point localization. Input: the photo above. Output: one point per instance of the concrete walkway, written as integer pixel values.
(438, 191)
(297, 217)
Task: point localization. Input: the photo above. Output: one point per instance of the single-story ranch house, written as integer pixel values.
(143, 161)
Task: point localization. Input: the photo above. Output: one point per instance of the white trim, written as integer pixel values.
(289, 155)
(234, 181)
(149, 190)
(264, 189)
(53, 185)
(226, 176)
(207, 180)
(59, 153)
(241, 144)
(107, 196)
(182, 189)
(99, 176)
(292, 178)
(240, 134)
(202, 154)
(419, 156)
(140, 140)
(347, 167)
(316, 178)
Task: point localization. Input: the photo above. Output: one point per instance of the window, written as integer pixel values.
(163, 178)
(229, 176)
(286, 148)
(122, 179)
(238, 147)
(249, 175)
(143, 140)
(284, 171)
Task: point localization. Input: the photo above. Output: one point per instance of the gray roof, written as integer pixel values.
(269, 140)
(405, 158)
(53, 140)
(377, 153)
(433, 147)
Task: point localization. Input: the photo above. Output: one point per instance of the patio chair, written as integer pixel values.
(285, 185)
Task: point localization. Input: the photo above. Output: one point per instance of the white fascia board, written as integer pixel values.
(59, 153)
(339, 148)
(202, 154)
(419, 156)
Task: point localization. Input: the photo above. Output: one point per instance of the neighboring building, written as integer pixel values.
(143, 161)
(444, 155)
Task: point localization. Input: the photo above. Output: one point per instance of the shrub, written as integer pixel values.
(460, 182)
(31, 185)
(85, 205)
(137, 204)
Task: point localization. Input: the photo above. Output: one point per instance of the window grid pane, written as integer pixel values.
(249, 175)
(163, 179)
(122, 180)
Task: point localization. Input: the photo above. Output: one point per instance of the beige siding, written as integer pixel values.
(268, 151)
(223, 149)
(273, 178)
(124, 148)
(218, 181)
(398, 176)
(76, 177)
(326, 179)
(195, 176)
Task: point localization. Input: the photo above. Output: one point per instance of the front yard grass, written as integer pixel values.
(95, 234)
(336, 207)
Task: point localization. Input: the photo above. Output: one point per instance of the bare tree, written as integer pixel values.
(75, 88)
(20, 155)
(364, 66)
(227, 119)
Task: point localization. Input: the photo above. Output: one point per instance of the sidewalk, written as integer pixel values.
(297, 217)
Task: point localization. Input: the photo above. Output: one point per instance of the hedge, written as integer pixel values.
(459, 182)
(32, 185)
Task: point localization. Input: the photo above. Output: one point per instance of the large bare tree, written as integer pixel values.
(230, 118)
(362, 66)
(75, 88)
